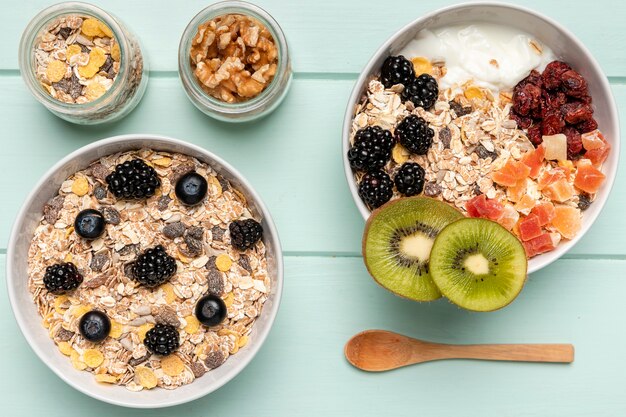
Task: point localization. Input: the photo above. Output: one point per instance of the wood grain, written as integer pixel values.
(382, 350)
(326, 36)
(301, 370)
(292, 158)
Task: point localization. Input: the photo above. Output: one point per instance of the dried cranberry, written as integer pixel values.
(533, 78)
(552, 74)
(574, 143)
(523, 122)
(587, 126)
(526, 99)
(576, 112)
(552, 123)
(553, 100)
(534, 134)
(573, 84)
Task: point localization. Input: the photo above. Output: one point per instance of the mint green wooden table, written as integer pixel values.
(293, 159)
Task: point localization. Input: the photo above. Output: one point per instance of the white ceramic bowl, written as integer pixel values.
(29, 320)
(565, 46)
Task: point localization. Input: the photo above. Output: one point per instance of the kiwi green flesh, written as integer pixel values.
(397, 242)
(478, 264)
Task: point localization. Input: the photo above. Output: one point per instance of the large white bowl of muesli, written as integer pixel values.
(486, 154)
(119, 369)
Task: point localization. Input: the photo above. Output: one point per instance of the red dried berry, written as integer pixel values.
(553, 100)
(587, 126)
(573, 84)
(552, 74)
(534, 134)
(576, 112)
(523, 122)
(526, 99)
(552, 123)
(574, 143)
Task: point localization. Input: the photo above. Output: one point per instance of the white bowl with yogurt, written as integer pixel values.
(468, 37)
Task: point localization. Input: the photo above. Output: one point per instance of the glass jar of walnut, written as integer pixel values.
(82, 64)
(234, 62)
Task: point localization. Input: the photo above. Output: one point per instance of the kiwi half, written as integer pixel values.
(397, 241)
(478, 264)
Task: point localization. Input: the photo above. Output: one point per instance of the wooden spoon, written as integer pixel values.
(381, 350)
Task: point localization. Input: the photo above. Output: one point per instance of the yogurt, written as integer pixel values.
(491, 55)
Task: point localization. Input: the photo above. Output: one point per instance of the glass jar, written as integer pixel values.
(127, 87)
(262, 104)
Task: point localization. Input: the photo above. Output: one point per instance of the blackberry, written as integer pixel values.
(409, 179)
(61, 278)
(153, 267)
(414, 134)
(245, 233)
(375, 189)
(371, 149)
(422, 91)
(397, 70)
(133, 179)
(162, 339)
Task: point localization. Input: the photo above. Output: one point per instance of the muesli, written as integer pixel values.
(148, 269)
(487, 133)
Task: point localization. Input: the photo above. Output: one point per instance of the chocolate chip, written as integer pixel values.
(52, 209)
(214, 359)
(211, 263)
(76, 88)
(216, 282)
(111, 215)
(179, 171)
(100, 193)
(432, 189)
(65, 32)
(244, 262)
(128, 270)
(458, 109)
(198, 369)
(108, 64)
(138, 361)
(99, 260)
(163, 202)
(132, 249)
(193, 239)
(174, 230)
(64, 335)
(445, 136)
(195, 232)
(223, 182)
(217, 233)
(63, 85)
(83, 48)
(166, 315)
(483, 153)
(100, 172)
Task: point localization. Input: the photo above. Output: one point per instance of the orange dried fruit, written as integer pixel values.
(529, 228)
(534, 160)
(525, 204)
(544, 212)
(588, 178)
(511, 173)
(567, 221)
(559, 191)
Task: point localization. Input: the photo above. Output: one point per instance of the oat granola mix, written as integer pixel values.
(206, 263)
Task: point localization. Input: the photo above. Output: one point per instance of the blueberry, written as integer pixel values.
(211, 310)
(89, 224)
(191, 188)
(94, 326)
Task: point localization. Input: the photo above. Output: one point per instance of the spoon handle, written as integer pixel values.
(562, 353)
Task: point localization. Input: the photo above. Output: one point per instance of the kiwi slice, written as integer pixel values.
(478, 264)
(397, 242)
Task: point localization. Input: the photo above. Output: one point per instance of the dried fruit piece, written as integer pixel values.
(588, 178)
(172, 365)
(529, 228)
(559, 191)
(56, 71)
(145, 377)
(545, 213)
(525, 204)
(555, 146)
(567, 221)
(481, 206)
(534, 160)
(93, 358)
(223, 262)
(541, 244)
(511, 173)
(509, 217)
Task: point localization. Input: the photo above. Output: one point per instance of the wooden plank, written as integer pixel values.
(325, 35)
(301, 370)
(292, 158)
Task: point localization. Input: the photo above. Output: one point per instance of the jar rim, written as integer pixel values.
(27, 48)
(262, 100)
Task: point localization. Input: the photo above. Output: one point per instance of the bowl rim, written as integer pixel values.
(547, 258)
(271, 311)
